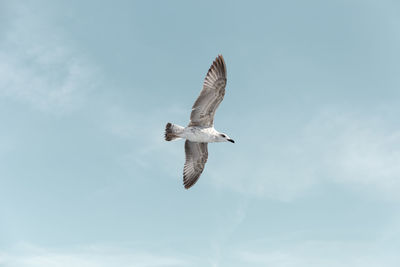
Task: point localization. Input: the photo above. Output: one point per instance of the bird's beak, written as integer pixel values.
(230, 140)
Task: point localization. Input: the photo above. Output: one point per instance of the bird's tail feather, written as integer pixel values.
(173, 131)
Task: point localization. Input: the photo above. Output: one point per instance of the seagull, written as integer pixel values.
(200, 130)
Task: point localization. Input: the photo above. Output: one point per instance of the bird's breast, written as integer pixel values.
(199, 134)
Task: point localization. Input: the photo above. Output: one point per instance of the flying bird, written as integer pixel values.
(200, 130)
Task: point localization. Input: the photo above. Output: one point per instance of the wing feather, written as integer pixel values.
(196, 158)
(211, 95)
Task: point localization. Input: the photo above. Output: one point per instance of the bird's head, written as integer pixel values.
(224, 138)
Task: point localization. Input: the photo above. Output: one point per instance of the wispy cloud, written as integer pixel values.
(26, 255)
(358, 151)
(39, 66)
(145, 132)
(221, 240)
(334, 147)
(321, 253)
(352, 150)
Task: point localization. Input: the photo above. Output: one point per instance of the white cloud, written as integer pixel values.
(322, 253)
(222, 240)
(360, 152)
(334, 147)
(145, 133)
(38, 65)
(94, 255)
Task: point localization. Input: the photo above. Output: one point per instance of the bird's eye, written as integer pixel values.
(223, 135)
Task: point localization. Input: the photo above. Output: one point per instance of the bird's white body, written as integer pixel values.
(201, 134)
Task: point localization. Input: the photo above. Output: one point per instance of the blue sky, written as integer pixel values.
(86, 178)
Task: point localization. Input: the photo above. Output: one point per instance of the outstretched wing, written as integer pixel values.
(196, 158)
(211, 96)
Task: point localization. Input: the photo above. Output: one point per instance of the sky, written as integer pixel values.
(86, 178)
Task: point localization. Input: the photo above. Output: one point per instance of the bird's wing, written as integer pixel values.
(213, 92)
(196, 158)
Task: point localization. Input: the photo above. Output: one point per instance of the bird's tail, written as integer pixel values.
(173, 131)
